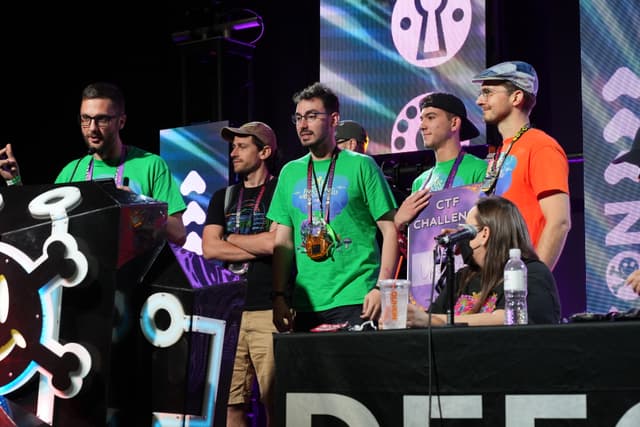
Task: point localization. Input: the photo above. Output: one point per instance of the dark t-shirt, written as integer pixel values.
(543, 302)
(252, 220)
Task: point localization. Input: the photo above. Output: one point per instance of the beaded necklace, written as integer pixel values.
(495, 164)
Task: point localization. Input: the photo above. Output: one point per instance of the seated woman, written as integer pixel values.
(479, 285)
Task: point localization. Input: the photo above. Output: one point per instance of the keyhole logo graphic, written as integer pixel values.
(428, 33)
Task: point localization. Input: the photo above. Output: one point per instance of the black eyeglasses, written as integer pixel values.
(310, 117)
(102, 120)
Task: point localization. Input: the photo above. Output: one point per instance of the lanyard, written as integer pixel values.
(452, 173)
(329, 178)
(493, 171)
(119, 171)
(256, 204)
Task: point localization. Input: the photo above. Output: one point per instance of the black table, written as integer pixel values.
(579, 374)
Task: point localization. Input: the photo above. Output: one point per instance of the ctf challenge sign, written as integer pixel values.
(446, 209)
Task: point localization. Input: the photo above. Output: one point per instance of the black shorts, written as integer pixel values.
(307, 320)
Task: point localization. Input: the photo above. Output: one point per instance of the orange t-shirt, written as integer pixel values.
(536, 165)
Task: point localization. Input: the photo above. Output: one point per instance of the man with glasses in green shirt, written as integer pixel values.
(329, 205)
(102, 116)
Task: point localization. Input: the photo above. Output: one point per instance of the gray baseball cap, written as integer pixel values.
(519, 73)
(260, 130)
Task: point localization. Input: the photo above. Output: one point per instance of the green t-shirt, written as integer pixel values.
(470, 171)
(360, 195)
(148, 175)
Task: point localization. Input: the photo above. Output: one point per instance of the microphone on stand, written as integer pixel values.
(90, 152)
(465, 231)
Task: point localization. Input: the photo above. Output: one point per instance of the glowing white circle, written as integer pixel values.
(173, 306)
(53, 201)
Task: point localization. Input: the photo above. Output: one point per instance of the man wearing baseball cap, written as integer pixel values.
(238, 232)
(351, 135)
(529, 168)
(443, 124)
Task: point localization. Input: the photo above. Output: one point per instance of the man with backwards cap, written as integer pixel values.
(443, 124)
(530, 168)
(238, 232)
(351, 136)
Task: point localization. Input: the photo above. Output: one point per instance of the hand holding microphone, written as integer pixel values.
(464, 231)
(125, 185)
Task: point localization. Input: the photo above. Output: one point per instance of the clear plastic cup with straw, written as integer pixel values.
(395, 298)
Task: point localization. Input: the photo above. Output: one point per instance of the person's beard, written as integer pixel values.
(105, 149)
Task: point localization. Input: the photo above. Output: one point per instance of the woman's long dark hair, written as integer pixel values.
(508, 230)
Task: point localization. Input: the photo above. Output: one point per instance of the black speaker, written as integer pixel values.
(189, 317)
(68, 252)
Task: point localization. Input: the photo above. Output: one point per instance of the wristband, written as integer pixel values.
(16, 180)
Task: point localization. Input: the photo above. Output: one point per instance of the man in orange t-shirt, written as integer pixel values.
(530, 168)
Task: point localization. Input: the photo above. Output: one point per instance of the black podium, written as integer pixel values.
(190, 318)
(87, 337)
(70, 254)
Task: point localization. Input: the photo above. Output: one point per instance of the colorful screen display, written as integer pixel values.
(199, 162)
(383, 57)
(611, 120)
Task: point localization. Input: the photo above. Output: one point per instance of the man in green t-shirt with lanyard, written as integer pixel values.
(329, 205)
(443, 124)
(102, 116)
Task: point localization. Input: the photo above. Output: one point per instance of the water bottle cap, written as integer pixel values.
(514, 253)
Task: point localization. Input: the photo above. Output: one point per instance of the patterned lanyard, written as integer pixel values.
(256, 204)
(311, 172)
(495, 166)
(452, 173)
(119, 171)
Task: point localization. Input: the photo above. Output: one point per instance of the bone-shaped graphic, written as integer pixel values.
(193, 182)
(194, 213)
(622, 82)
(623, 123)
(616, 173)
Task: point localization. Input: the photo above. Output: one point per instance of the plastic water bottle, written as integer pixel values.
(515, 290)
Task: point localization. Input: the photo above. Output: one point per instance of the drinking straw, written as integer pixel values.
(397, 270)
